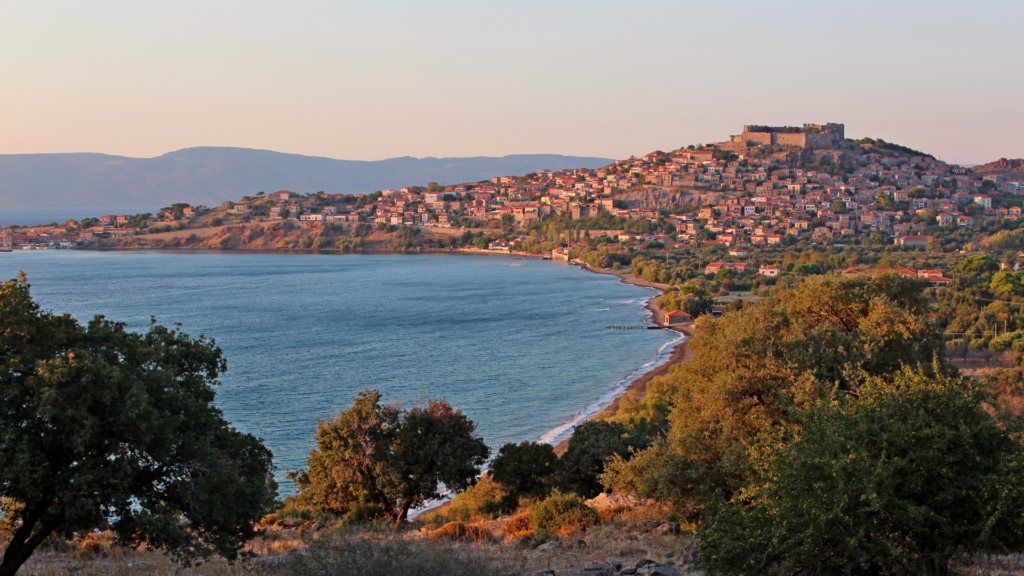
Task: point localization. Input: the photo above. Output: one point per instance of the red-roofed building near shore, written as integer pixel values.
(677, 317)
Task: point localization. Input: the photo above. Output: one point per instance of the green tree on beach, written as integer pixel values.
(105, 428)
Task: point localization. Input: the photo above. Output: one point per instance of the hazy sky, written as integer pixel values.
(370, 80)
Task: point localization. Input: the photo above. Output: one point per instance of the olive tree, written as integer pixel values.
(376, 454)
(105, 428)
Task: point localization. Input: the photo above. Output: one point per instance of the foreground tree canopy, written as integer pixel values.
(101, 427)
(378, 455)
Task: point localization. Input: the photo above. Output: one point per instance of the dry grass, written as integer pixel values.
(463, 532)
(518, 526)
(98, 554)
(355, 553)
(127, 562)
(606, 544)
(344, 552)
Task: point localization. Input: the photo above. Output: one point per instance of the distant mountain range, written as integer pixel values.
(210, 175)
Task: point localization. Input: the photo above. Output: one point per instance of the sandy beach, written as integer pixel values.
(679, 355)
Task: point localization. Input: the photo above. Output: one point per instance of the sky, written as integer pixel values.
(372, 80)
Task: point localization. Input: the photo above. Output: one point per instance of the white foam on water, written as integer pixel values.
(562, 431)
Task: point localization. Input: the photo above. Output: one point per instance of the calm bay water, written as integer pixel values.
(31, 216)
(519, 345)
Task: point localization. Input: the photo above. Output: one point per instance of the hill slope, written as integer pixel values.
(210, 175)
(1002, 166)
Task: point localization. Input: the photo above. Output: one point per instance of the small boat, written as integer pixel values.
(5, 239)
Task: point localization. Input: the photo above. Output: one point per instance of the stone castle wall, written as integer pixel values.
(813, 135)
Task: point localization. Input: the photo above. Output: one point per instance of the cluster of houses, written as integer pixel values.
(70, 234)
(765, 199)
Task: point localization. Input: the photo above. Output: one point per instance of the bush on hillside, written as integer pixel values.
(903, 480)
(482, 501)
(562, 513)
(458, 531)
(519, 526)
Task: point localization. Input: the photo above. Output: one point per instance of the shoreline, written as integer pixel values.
(680, 352)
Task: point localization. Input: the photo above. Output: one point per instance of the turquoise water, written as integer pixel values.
(521, 346)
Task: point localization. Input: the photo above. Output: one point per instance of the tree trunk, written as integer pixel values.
(22, 546)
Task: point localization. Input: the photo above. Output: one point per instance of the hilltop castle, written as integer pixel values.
(813, 135)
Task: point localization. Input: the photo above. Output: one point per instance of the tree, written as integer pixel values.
(396, 459)
(593, 443)
(976, 265)
(807, 268)
(903, 479)
(1006, 284)
(105, 428)
(524, 469)
(726, 274)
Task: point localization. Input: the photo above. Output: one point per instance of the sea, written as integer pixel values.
(521, 346)
(32, 216)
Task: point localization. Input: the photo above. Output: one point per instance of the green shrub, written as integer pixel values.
(559, 512)
(1006, 341)
(479, 501)
(363, 513)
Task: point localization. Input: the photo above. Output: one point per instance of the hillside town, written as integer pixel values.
(769, 186)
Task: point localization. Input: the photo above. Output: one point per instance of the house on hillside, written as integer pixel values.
(912, 241)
